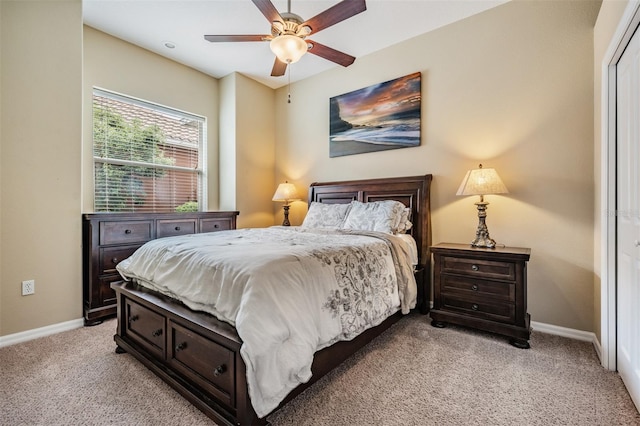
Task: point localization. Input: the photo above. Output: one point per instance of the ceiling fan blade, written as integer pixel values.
(279, 68)
(337, 13)
(330, 54)
(268, 10)
(234, 37)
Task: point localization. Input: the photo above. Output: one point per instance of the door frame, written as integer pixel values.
(608, 305)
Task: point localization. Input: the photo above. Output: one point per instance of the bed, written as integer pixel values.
(201, 356)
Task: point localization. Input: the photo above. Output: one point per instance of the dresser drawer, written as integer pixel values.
(213, 225)
(479, 308)
(479, 268)
(111, 256)
(106, 294)
(475, 287)
(173, 227)
(208, 363)
(125, 232)
(146, 327)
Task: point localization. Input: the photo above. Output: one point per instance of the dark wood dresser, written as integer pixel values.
(108, 238)
(482, 288)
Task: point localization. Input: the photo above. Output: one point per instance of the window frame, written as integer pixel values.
(202, 169)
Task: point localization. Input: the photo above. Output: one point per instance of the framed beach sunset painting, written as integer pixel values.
(377, 118)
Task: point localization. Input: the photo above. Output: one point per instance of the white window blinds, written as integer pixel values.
(147, 157)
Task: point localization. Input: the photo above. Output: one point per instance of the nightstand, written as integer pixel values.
(482, 288)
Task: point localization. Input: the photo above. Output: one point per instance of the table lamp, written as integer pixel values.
(482, 182)
(286, 192)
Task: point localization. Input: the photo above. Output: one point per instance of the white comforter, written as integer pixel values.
(288, 291)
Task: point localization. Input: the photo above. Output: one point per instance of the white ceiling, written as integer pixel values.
(151, 23)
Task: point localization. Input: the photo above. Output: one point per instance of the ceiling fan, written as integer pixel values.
(289, 32)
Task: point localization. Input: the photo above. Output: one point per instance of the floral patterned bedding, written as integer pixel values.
(289, 291)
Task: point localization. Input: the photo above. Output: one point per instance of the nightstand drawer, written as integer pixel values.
(478, 288)
(502, 312)
(479, 268)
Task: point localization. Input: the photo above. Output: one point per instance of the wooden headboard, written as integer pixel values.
(412, 191)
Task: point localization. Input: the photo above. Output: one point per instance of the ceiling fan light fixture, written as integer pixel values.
(288, 48)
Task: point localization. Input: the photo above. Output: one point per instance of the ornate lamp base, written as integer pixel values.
(482, 233)
(286, 216)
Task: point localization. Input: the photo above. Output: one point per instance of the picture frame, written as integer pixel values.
(379, 117)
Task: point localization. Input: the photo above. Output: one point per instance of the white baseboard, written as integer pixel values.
(585, 336)
(24, 336)
(12, 339)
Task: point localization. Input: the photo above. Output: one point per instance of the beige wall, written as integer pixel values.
(247, 130)
(512, 88)
(40, 140)
(116, 65)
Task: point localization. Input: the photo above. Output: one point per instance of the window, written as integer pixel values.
(147, 157)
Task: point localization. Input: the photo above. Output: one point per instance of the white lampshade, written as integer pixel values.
(481, 182)
(288, 48)
(286, 192)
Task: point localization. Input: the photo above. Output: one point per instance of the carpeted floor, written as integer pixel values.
(413, 374)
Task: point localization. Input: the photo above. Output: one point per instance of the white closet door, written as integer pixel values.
(628, 218)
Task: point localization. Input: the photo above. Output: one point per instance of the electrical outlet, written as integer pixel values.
(28, 287)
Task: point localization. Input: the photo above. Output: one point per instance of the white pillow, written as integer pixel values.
(381, 216)
(322, 215)
(404, 224)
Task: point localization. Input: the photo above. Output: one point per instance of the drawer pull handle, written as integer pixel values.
(114, 260)
(474, 287)
(216, 226)
(219, 370)
(157, 333)
(177, 228)
(474, 307)
(181, 346)
(127, 231)
(475, 267)
(133, 318)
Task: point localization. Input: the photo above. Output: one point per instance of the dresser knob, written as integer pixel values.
(133, 318)
(181, 346)
(127, 231)
(474, 307)
(216, 226)
(219, 370)
(474, 287)
(177, 228)
(475, 267)
(114, 260)
(157, 333)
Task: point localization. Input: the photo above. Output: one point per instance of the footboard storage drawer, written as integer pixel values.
(146, 327)
(482, 288)
(192, 351)
(109, 238)
(206, 362)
